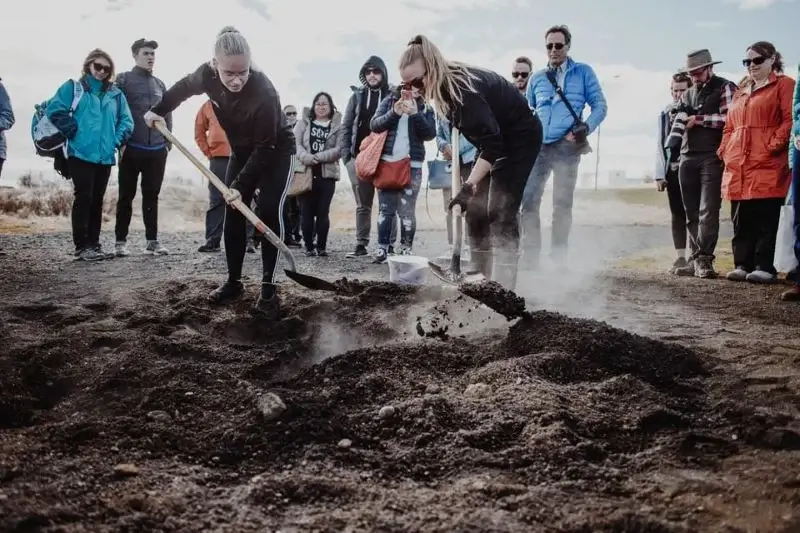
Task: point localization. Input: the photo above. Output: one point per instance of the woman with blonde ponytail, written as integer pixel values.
(248, 108)
(492, 114)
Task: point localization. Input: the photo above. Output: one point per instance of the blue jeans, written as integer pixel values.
(562, 159)
(403, 204)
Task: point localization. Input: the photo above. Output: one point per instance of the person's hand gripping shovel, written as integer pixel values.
(458, 205)
(233, 197)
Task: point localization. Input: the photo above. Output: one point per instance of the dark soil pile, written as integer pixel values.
(159, 413)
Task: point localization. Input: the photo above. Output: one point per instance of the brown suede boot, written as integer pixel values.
(791, 295)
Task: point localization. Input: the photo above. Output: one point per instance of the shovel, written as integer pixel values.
(453, 275)
(305, 280)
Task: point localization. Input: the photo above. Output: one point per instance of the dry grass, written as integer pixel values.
(35, 199)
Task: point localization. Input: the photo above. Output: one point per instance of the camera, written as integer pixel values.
(580, 131)
(679, 115)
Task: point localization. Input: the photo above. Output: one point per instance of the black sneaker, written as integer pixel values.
(251, 246)
(360, 251)
(227, 292)
(291, 242)
(268, 308)
(322, 252)
(380, 257)
(391, 250)
(310, 252)
(209, 248)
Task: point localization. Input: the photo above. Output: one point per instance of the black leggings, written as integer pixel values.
(89, 181)
(492, 216)
(315, 210)
(273, 185)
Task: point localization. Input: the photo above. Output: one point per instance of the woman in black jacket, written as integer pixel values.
(493, 116)
(262, 148)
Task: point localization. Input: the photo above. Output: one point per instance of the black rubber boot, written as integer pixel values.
(268, 305)
(227, 292)
(505, 267)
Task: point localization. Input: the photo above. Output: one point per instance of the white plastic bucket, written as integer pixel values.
(408, 269)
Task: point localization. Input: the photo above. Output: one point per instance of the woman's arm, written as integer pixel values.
(385, 116)
(59, 110)
(425, 122)
(479, 123)
(780, 139)
(190, 85)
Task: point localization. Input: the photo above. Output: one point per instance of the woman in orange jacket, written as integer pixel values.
(754, 149)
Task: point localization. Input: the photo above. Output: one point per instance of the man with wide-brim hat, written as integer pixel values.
(697, 60)
(705, 105)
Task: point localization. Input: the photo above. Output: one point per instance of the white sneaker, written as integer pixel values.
(155, 248)
(121, 249)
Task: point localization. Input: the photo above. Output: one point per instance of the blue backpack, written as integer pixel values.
(47, 139)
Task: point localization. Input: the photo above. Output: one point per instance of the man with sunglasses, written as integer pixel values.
(520, 73)
(700, 170)
(558, 94)
(355, 127)
(145, 152)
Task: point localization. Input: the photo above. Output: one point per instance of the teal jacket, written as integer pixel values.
(795, 118)
(101, 124)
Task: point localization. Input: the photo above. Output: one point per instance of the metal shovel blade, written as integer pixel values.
(310, 282)
(450, 277)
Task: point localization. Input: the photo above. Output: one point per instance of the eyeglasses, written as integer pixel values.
(759, 60)
(557, 46)
(416, 83)
(99, 67)
(523, 75)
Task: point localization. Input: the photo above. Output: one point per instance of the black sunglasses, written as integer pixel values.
(522, 75)
(557, 46)
(101, 68)
(373, 71)
(416, 83)
(755, 61)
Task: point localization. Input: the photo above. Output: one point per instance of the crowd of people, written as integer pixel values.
(716, 140)
(734, 141)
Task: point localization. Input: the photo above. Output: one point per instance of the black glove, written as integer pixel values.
(463, 197)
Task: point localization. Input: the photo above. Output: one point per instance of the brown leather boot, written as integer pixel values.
(791, 295)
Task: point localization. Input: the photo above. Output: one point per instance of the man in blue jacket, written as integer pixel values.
(564, 139)
(6, 121)
(146, 151)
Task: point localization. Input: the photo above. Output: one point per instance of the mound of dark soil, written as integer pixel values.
(160, 413)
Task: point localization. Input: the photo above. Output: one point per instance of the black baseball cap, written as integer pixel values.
(143, 43)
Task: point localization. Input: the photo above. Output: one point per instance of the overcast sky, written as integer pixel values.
(309, 45)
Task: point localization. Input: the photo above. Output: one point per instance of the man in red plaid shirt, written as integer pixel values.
(700, 170)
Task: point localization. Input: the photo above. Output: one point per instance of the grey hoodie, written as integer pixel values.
(355, 127)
